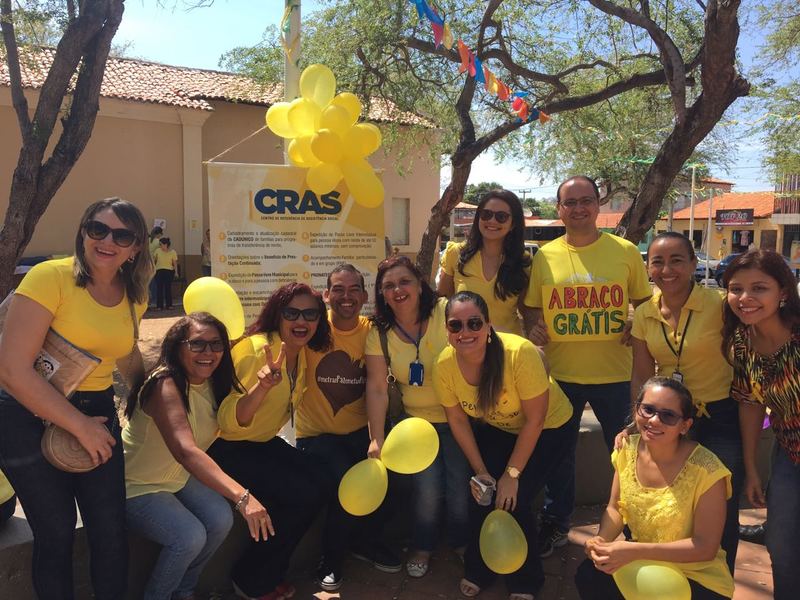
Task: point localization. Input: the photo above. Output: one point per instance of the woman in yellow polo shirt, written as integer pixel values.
(166, 261)
(493, 261)
(175, 492)
(678, 333)
(272, 368)
(407, 311)
(91, 299)
(510, 419)
(670, 491)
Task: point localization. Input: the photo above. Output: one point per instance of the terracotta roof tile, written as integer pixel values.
(762, 204)
(143, 81)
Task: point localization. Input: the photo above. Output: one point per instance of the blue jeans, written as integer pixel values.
(611, 403)
(190, 525)
(446, 481)
(336, 454)
(496, 447)
(721, 434)
(783, 529)
(49, 495)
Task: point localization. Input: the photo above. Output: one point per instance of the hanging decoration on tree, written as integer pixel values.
(472, 65)
(326, 137)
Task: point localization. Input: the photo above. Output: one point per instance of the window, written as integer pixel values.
(401, 212)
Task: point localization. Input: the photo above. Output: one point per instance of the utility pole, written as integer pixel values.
(691, 208)
(524, 193)
(290, 39)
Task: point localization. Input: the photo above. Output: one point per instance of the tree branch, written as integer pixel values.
(14, 73)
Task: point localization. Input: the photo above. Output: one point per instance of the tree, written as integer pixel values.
(71, 91)
(475, 191)
(567, 54)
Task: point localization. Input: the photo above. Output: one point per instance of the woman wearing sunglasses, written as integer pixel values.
(510, 419)
(90, 299)
(680, 329)
(176, 492)
(762, 338)
(492, 262)
(408, 313)
(671, 493)
(271, 365)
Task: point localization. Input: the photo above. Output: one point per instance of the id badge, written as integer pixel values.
(416, 373)
(677, 376)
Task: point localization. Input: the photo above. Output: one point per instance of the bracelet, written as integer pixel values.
(242, 500)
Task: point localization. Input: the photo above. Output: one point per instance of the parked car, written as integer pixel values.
(700, 270)
(723, 264)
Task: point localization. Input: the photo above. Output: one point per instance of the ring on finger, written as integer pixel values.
(275, 373)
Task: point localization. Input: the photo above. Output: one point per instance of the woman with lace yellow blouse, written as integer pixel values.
(492, 262)
(92, 300)
(408, 313)
(270, 363)
(516, 436)
(680, 330)
(175, 492)
(671, 493)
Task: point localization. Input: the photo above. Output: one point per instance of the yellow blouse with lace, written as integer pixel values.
(661, 515)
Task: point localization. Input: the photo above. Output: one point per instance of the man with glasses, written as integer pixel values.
(332, 426)
(580, 289)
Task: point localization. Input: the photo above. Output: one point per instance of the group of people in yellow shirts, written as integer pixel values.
(501, 358)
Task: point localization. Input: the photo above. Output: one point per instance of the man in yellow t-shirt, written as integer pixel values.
(580, 290)
(332, 425)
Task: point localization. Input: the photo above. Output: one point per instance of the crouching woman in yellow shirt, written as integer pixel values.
(517, 432)
(671, 492)
(175, 491)
(272, 368)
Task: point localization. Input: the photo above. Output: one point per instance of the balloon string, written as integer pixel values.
(236, 144)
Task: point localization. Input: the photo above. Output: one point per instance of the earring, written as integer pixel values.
(132, 258)
(782, 303)
(489, 337)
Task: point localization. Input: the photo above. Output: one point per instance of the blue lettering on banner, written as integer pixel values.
(281, 202)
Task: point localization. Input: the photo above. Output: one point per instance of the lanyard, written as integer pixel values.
(292, 384)
(683, 339)
(411, 339)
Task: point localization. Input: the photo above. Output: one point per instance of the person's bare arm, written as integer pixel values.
(446, 286)
(377, 394)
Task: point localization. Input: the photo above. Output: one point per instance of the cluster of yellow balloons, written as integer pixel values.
(216, 297)
(502, 543)
(652, 580)
(410, 447)
(327, 138)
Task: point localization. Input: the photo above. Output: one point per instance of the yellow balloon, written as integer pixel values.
(350, 103)
(502, 543)
(363, 487)
(278, 120)
(411, 446)
(318, 84)
(336, 119)
(300, 154)
(304, 116)
(652, 580)
(362, 140)
(214, 296)
(363, 184)
(327, 146)
(322, 178)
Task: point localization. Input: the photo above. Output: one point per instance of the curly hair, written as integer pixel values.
(269, 320)
(223, 380)
(384, 316)
(511, 277)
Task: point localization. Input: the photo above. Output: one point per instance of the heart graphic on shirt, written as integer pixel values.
(341, 379)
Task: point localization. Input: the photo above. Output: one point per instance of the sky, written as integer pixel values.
(199, 37)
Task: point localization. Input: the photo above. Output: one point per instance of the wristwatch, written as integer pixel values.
(513, 472)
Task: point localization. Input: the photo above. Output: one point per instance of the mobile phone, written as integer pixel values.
(487, 486)
(416, 373)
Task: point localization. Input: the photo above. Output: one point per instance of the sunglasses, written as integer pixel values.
(98, 230)
(500, 216)
(667, 417)
(292, 314)
(473, 324)
(201, 345)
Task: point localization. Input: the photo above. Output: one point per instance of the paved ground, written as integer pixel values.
(753, 572)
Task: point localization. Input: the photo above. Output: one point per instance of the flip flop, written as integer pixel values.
(468, 589)
(417, 568)
(516, 596)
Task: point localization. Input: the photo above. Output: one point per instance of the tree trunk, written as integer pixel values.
(84, 46)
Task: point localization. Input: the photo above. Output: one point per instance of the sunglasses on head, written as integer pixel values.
(292, 314)
(97, 230)
(667, 417)
(500, 216)
(201, 345)
(473, 324)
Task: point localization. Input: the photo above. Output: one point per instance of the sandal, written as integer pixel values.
(418, 566)
(468, 589)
